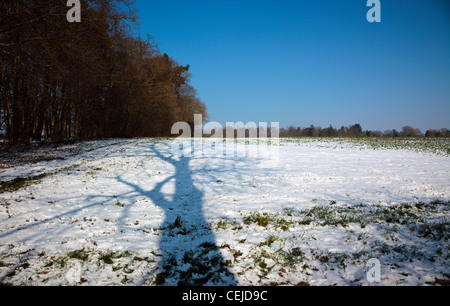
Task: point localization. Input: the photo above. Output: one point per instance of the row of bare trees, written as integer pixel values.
(357, 131)
(93, 79)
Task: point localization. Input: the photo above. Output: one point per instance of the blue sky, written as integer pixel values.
(311, 62)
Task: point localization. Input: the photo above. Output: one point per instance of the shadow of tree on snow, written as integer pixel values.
(189, 254)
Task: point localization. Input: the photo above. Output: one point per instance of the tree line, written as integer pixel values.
(92, 79)
(357, 131)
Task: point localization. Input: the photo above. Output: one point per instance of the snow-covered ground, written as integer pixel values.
(130, 212)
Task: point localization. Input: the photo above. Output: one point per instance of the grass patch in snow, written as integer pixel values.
(32, 267)
(419, 216)
(20, 182)
(304, 245)
(23, 182)
(265, 219)
(81, 255)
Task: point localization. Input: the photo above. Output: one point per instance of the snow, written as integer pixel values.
(129, 212)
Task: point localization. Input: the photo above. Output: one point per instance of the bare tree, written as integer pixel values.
(408, 131)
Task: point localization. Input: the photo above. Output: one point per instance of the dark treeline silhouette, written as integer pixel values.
(357, 131)
(93, 79)
(312, 131)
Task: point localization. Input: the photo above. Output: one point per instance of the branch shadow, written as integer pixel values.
(189, 254)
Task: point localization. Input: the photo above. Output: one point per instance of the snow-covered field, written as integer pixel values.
(129, 212)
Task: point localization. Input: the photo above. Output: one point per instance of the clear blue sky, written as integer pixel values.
(311, 62)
